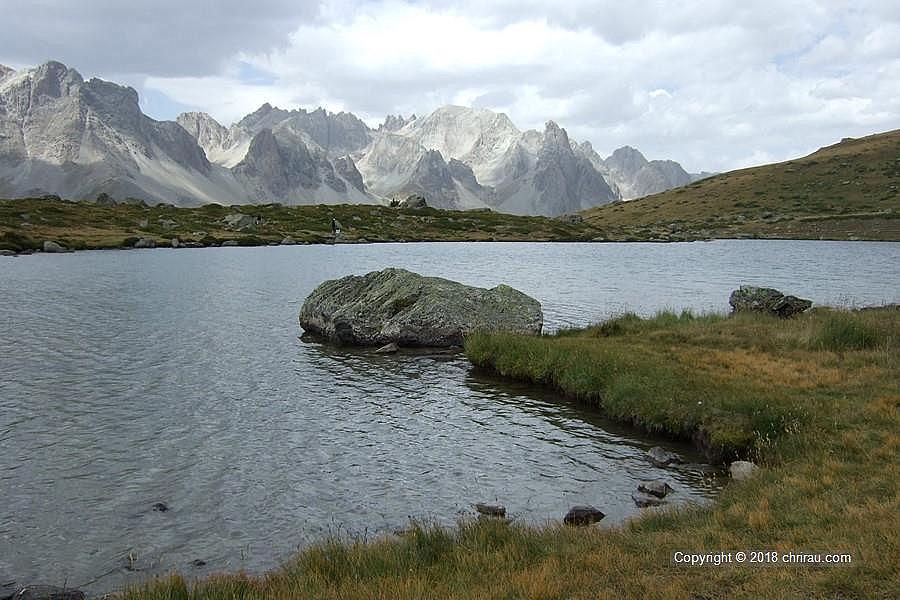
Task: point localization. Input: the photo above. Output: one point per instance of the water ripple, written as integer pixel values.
(129, 378)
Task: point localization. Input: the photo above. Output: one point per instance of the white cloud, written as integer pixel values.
(711, 84)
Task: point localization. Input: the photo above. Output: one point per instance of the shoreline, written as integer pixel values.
(15, 254)
(825, 382)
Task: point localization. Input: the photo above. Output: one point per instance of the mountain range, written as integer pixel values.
(60, 134)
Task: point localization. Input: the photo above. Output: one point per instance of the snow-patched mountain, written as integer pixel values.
(62, 135)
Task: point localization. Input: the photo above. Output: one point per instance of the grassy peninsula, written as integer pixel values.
(847, 191)
(26, 223)
(814, 400)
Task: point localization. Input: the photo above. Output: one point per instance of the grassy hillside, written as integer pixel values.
(26, 223)
(850, 190)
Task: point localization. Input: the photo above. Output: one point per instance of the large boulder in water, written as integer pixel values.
(408, 309)
(750, 298)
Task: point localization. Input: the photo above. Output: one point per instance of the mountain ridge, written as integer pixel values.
(60, 134)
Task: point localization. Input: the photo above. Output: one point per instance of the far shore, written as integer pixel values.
(41, 224)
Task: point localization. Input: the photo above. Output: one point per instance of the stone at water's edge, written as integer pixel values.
(583, 515)
(663, 458)
(395, 305)
(749, 298)
(658, 488)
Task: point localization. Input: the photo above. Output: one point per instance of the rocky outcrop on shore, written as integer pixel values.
(750, 298)
(395, 305)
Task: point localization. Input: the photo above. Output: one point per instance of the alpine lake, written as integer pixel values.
(134, 378)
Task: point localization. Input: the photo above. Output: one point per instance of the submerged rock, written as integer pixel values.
(490, 510)
(388, 349)
(750, 298)
(658, 488)
(663, 458)
(46, 592)
(408, 309)
(583, 515)
(160, 507)
(742, 469)
(645, 500)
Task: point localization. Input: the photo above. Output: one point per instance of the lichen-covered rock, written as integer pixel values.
(395, 305)
(750, 298)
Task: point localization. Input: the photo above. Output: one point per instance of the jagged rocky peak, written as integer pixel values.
(4, 71)
(626, 159)
(395, 123)
(55, 80)
(555, 138)
(202, 127)
(263, 117)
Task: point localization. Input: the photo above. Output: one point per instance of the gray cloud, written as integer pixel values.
(163, 37)
(715, 85)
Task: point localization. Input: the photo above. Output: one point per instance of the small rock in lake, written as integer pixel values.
(583, 515)
(663, 458)
(47, 592)
(160, 507)
(742, 469)
(658, 488)
(490, 510)
(645, 500)
(197, 563)
(388, 349)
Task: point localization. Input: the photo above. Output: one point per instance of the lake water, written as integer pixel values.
(178, 376)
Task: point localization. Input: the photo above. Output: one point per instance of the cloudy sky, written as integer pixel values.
(714, 85)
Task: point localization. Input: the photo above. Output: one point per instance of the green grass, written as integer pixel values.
(26, 223)
(822, 418)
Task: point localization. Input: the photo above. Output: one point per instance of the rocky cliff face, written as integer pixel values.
(567, 183)
(63, 135)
